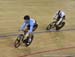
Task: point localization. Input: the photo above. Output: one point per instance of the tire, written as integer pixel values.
(17, 43)
(26, 41)
(50, 26)
(18, 40)
(62, 25)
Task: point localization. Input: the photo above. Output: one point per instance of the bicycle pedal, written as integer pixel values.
(27, 44)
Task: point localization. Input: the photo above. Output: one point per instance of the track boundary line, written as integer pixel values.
(54, 50)
(39, 32)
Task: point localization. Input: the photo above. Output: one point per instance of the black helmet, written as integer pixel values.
(26, 17)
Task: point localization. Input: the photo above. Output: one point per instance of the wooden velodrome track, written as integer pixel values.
(45, 44)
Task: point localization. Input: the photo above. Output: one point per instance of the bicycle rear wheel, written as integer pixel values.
(27, 43)
(59, 27)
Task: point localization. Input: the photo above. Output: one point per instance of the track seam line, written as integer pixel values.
(4, 36)
(65, 48)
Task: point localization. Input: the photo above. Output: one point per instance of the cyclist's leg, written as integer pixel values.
(35, 26)
(25, 40)
(26, 30)
(29, 39)
(31, 35)
(59, 21)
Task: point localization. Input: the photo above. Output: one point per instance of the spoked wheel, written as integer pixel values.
(17, 43)
(60, 26)
(18, 40)
(50, 26)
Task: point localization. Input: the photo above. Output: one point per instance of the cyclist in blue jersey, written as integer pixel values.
(29, 26)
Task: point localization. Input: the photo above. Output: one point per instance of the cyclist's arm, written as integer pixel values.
(31, 27)
(23, 26)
